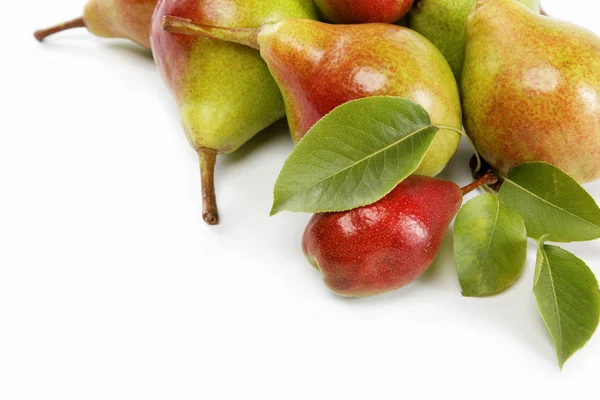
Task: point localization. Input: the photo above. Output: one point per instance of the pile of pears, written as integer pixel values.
(525, 86)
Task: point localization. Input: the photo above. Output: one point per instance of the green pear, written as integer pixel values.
(531, 90)
(443, 22)
(129, 19)
(319, 67)
(225, 92)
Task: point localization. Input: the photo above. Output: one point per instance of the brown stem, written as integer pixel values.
(488, 179)
(246, 36)
(208, 159)
(44, 33)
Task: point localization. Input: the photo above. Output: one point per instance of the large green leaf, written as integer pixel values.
(354, 156)
(568, 297)
(551, 203)
(490, 246)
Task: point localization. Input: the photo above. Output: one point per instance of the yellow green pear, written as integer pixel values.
(443, 22)
(531, 90)
(225, 92)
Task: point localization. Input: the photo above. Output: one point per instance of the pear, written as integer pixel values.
(443, 22)
(129, 19)
(363, 11)
(531, 90)
(225, 92)
(386, 245)
(319, 66)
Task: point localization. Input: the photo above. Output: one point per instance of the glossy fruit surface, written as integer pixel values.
(443, 22)
(386, 245)
(321, 66)
(363, 11)
(531, 90)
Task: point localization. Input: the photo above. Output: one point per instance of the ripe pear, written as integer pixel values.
(386, 245)
(225, 92)
(443, 22)
(531, 90)
(363, 11)
(129, 19)
(319, 67)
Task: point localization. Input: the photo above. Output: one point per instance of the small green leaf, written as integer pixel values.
(568, 297)
(490, 246)
(552, 203)
(354, 156)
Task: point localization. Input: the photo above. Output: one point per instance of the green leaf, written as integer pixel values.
(552, 203)
(490, 246)
(354, 156)
(568, 297)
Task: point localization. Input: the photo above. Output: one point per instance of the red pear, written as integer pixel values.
(364, 11)
(386, 245)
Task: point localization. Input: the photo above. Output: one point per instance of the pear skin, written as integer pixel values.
(363, 11)
(443, 23)
(531, 90)
(319, 67)
(128, 19)
(225, 92)
(386, 245)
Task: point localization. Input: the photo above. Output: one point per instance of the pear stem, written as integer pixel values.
(42, 34)
(247, 37)
(488, 179)
(208, 159)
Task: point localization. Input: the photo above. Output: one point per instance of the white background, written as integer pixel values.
(112, 287)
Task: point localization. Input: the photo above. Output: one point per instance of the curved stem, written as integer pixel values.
(42, 34)
(247, 37)
(208, 159)
(463, 134)
(488, 179)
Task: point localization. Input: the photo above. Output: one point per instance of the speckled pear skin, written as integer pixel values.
(363, 11)
(443, 22)
(225, 92)
(531, 90)
(321, 66)
(384, 246)
(129, 19)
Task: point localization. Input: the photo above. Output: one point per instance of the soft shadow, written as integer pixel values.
(458, 168)
(139, 52)
(265, 137)
(515, 312)
(438, 271)
(523, 322)
(396, 296)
